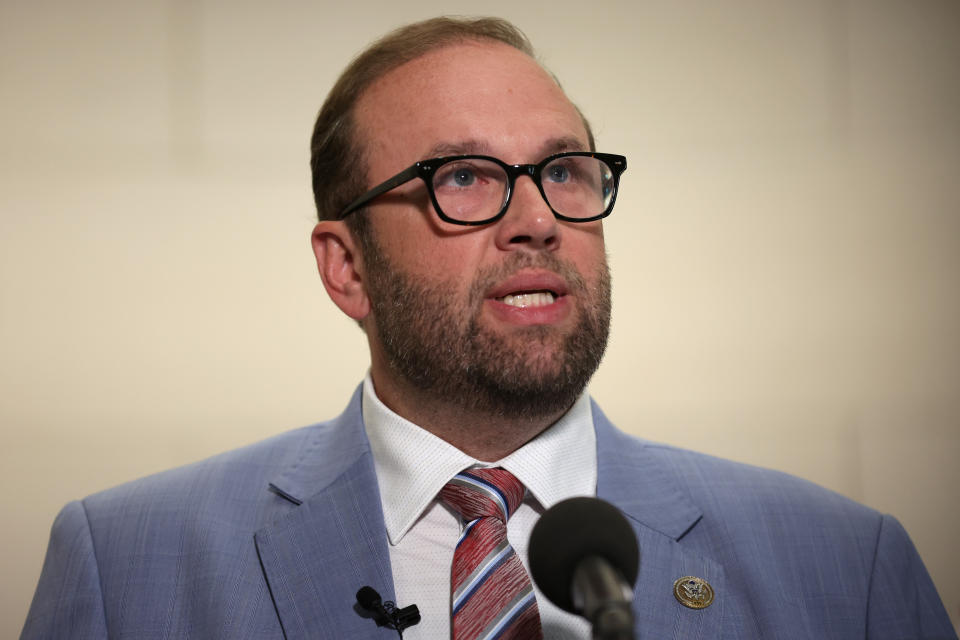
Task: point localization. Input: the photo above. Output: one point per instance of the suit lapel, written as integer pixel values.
(332, 541)
(633, 480)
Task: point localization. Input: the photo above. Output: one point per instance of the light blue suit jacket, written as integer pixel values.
(273, 541)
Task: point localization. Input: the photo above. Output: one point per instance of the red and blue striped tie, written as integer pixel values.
(492, 597)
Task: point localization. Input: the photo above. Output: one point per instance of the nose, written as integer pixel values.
(528, 224)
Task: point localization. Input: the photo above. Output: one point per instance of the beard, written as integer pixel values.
(440, 347)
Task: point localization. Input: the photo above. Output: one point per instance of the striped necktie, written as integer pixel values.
(492, 596)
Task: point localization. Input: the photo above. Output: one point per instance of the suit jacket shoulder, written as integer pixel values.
(786, 558)
(270, 540)
(273, 540)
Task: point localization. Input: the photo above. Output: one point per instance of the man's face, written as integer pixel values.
(511, 316)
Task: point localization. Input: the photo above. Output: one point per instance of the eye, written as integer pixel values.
(558, 173)
(463, 177)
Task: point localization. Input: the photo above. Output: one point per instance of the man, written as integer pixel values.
(484, 294)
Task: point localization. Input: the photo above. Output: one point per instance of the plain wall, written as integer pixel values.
(785, 250)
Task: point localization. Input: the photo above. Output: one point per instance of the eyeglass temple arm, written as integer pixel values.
(406, 175)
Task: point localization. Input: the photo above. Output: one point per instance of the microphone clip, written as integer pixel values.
(402, 617)
(387, 613)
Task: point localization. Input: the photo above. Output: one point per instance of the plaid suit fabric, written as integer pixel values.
(208, 551)
(492, 596)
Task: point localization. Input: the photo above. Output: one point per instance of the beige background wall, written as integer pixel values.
(786, 251)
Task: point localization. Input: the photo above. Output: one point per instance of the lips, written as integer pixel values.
(529, 289)
(528, 297)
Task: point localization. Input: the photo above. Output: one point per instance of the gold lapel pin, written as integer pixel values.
(693, 592)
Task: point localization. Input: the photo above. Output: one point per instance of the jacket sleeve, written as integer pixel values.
(68, 602)
(903, 601)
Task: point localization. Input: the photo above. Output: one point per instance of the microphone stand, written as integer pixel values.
(603, 598)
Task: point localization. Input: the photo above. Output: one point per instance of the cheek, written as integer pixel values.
(454, 262)
(452, 259)
(410, 234)
(587, 249)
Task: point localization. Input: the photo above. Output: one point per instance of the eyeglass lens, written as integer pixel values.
(474, 189)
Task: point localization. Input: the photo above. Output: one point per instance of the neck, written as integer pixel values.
(487, 436)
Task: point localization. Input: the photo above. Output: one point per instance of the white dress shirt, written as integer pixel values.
(413, 465)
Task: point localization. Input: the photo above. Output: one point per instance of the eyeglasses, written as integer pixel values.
(474, 190)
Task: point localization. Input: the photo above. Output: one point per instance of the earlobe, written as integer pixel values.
(340, 268)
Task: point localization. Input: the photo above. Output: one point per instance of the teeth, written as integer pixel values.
(522, 300)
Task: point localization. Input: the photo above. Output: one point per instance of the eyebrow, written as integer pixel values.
(461, 148)
(479, 147)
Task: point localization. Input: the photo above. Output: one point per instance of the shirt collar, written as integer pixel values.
(412, 464)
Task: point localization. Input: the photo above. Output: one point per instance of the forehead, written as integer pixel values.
(487, 97)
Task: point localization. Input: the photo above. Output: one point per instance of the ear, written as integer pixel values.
(340, 267)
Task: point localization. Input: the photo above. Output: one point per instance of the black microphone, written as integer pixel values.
(387, 613)
(584, 558)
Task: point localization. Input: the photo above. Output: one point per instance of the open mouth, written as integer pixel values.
(524, 299)
(539, 293)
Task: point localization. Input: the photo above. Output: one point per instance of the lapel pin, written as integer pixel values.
(693, 592)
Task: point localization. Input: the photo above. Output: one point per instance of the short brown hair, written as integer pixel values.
(339, 174)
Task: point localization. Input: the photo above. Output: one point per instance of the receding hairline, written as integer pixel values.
(337, 158)
(363, 98)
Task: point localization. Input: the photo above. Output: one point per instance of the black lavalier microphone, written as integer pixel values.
(387, 613)
(584, 557)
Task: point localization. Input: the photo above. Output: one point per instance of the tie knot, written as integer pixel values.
(478, 493)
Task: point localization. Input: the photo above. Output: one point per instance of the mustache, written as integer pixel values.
(487, 277)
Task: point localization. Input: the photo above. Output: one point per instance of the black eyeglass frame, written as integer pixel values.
(425, 169)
